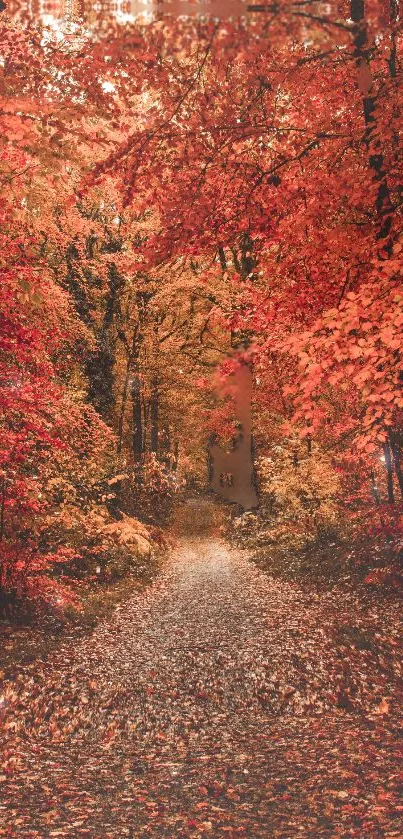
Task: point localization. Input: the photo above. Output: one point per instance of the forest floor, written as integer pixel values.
(31, 637)
(218, 702)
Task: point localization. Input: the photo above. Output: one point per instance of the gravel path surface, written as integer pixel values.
(203, 708)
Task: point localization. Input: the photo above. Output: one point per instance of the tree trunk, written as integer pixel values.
(101, 363)
(176, 456)
(166, 443)
(137, 417)
(154, 415)
(137, 412)
(396, 460)
(130, 355)
(123, 408)
(2, 505)
(145, 404)
(122, 412)
(375, 491)
(389, 467)
(73, 283)
(362, 53)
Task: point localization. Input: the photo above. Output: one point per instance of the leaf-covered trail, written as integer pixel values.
(205, 707)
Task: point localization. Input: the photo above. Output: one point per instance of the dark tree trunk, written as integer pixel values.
(122, 411)
(166, 443)
(137, 417)
(362, 53)
(130, 355)
(101, 363)
(222, 258)
(73, 283)
(154, 415)
(211, 442)
(397, 460)
(389, 468)
(2, 511)
(248, 260)
(2, 505)
(142, 299)
(137, 407)
(145, 405)
(375, 491)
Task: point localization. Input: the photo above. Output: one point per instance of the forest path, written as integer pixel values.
(202, 708)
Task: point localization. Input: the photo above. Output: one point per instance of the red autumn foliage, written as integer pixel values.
(268, 167)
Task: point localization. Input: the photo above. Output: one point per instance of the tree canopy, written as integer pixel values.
(181, 197)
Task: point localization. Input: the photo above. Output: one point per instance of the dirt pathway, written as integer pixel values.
(205, 708)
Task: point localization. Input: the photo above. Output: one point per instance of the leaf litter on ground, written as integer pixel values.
(220, 702)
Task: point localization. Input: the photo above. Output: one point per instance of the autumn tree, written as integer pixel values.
(198, 190)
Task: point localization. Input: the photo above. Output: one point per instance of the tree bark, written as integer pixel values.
(2, 511)
(176, 456)
(389, 467)
(154, 415)
(362, 53)
(394, 445)
(125, 391)
(101, 363)
(137, 416)
(2, 505)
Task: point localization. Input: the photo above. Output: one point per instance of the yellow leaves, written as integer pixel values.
(383, 708)
(300, 491)
(331, 313)
(131, 533)
(337, 793)
(116, 479)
